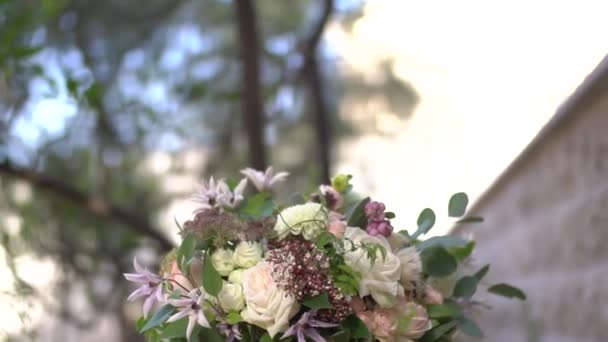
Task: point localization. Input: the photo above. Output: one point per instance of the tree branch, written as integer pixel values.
(312, 72)
(95, 205)
(252, 104)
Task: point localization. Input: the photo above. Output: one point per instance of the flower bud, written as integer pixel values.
(236, 276)
(231, 297)
(222, 260)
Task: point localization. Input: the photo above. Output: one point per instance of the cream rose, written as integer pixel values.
(247, 254)
(380, 279)
(411, 267)
(309, 220)
(222, 260)
(231, 297)
(236, 276)
(267, 305)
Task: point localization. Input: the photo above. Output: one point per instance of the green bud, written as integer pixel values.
(341, 183)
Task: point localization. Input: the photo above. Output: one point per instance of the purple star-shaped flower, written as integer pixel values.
(305, 327)
(231, 331)
(191, 307)
(150, 285)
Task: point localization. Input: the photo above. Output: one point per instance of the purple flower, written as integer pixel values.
(375, 211)
(305, 327)
(150, 285)
(264, 181)
(209, 195)
(231, 331)
(192, 307)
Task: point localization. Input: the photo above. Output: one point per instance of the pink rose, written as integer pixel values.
(337, 224)
(419, 322)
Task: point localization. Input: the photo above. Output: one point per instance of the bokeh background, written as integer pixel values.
(112, 111)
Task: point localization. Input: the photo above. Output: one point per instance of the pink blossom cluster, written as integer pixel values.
(377, 224)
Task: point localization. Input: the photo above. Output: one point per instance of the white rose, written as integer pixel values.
(308, 219)
(231, 297)
(236, 276)
(222, 261)
(267, 305)
(247, 254)
(411, 267)
(380, 279)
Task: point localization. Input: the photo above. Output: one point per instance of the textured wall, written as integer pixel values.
(546, 228)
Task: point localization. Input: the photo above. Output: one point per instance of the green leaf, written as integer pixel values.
(232, 183)
(139, 324)
(185, 252)
(357, 217)
(341, 336)
(437, 262)
(389, 215)
(341, 183)
(24, 52)
(445, 310)
(437, 332)
(318, 302)
(465, 287)
(175, 294)
(257, 206)
(177, 329)
(212, 280)
(356, 328)
(482, 272)
(324, 239)
(445, 241)
(266, 338)
(211, 335)
(158, 318)
(507, 290)
(426, 221)
(93, 95)
(458, 204)
(469, 327)
(461, 253)
(471, 219)
(72, 86)
(233, 317)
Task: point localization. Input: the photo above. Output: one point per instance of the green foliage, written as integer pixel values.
(426, 221)
(458, 204)
(438, 331)
(233, 317)
(318, 302)
(355, 327)
(185, 253)
(212, 280)
(479, 275)
(446, 310)
(257, 206)
(507, 290)
(356, 215)
(342, 183)
(438, 262)
(469, 327)
(158, 318)
(465, 287)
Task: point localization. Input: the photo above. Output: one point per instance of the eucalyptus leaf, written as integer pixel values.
(426, 221)
(445, 241)
(507, 290)
(257, 206)
(471, 219)
(458, 204)
(465, 287)
(470, 328)
(437, 332)
(438, 262)
(482, 272)
(356, 328)
(185, 252)
(445, 310)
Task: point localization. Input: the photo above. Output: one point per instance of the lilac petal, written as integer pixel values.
(321, 324)
(238, 190)
(291, 331)
(159, 293)
(191, 323)
(136, 277)
(137, 266)
(140, 292)
(279, 177)
(301, 337)
(181, 302)
(179, 315)
(314, 335)
(148, 305)
(202, 320)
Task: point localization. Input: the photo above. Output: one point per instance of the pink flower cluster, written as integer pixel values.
(377, 224)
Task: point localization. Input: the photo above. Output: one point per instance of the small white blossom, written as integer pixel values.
(208, 195)
(264, 181)
(231, 198)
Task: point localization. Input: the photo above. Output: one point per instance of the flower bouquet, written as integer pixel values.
(328, 267)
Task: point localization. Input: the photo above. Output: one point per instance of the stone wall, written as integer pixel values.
(546, 228)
